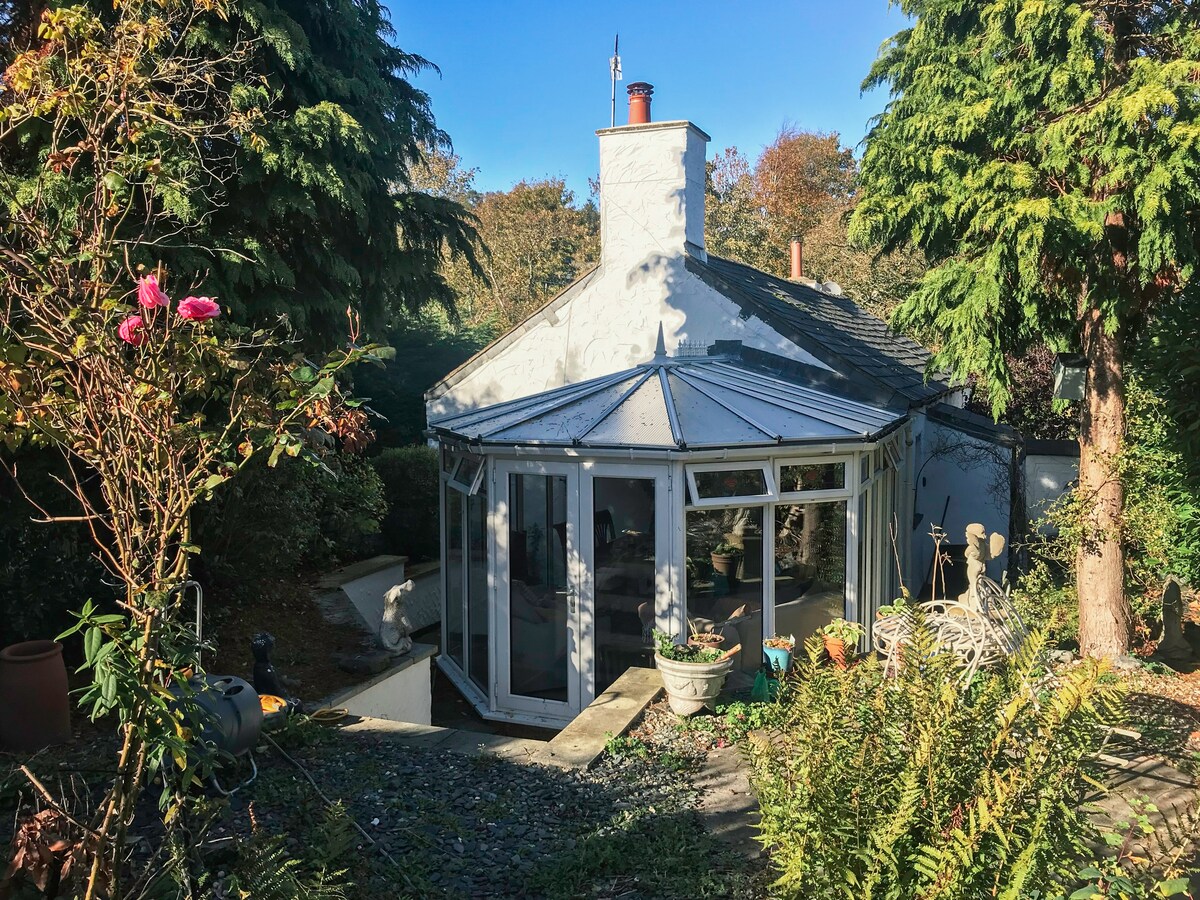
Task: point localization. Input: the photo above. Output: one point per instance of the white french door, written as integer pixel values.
(625, 574)
(538, 658)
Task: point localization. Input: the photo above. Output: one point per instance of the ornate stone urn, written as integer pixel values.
(692, 686)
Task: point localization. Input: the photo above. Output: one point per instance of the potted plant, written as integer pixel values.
(778, 650)
(840, 638)
(692, 676)
(897, 606)
(725, 559)
(706, 639)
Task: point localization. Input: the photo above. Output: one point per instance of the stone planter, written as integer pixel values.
(692, 686)
(35, 708)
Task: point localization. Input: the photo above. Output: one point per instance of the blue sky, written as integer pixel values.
(525, 84)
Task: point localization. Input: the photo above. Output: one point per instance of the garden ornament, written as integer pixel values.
(395, 631)
(1173, 646)
(266, 679)
(980, 551)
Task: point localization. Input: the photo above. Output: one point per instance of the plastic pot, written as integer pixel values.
(779, 658)
(35, 706)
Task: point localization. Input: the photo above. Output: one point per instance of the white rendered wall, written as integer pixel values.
(651, 203)
(974, 475)
(402, 694)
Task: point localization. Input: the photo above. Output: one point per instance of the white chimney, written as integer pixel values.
(651, 188)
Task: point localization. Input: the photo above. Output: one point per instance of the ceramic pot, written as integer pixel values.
(692, 686)
(835, 649)
(35, 706)
(779, 658)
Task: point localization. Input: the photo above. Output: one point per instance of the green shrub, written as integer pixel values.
(45, 569)
(410, 484)
(914, 786)
(271, 522)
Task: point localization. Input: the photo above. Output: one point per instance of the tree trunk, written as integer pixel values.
(1104, 611)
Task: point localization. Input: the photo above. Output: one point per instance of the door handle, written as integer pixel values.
(571, 600)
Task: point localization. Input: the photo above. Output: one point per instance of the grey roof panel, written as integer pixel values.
(683, 402)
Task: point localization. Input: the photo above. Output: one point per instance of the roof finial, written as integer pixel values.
(660, 348)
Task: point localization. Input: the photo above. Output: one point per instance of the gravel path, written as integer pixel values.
(466, 826)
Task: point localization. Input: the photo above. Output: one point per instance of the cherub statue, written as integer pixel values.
(980, 551)
(395, 631)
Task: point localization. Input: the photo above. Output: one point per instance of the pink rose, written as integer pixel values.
(198, 309)
(132, 331)
(150, 294)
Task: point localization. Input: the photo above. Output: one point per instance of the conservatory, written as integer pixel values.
(691, 492)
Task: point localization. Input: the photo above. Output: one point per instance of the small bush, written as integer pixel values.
(410, 484)
(917, 787)
(277, 521)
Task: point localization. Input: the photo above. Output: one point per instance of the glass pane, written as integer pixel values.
(810, 567)
(731, 483)
(454, 575)
(725, 578)
(812, 477)
(468, 468)
(538, 586)
(477, 588)
(625, 570)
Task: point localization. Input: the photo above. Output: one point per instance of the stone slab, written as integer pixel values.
(432, 737)
(338, 577)
(582, 742)
(728, 806)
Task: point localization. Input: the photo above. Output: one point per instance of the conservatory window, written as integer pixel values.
(725, 565)
(812, 478)
(716, 484)
(467, 473)
(810, 567)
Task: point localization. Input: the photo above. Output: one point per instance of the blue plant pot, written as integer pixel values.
(779, 659)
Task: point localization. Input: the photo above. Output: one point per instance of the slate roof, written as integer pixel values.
(835, 330)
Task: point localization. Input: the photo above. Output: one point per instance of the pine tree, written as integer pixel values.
(1046, 158)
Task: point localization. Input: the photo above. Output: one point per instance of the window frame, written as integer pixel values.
(815, 496)
(695, 501)
(471, 487)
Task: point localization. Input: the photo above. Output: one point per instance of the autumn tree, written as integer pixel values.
(1045, 158)
(537, 242)
(802, 187)
(801, 178)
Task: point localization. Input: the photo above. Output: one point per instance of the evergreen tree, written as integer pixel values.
(1046, 158)
(319, 212)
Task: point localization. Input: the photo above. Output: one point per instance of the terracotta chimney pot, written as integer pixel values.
(639, 102)
(797, 260)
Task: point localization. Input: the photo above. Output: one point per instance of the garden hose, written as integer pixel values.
(327, 715)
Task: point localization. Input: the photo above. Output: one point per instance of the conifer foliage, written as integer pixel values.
(1046, 158)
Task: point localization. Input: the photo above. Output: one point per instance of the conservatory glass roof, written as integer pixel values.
(673, 403)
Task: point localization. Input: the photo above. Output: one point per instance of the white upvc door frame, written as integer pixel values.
(664, 576)
(505, 700)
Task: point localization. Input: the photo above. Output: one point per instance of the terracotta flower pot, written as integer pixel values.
(727, 566)
(707, 639)
(835, 649)
(35, 706)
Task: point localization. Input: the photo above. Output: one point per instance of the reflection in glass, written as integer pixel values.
(812, 477)
(723, 594)
(730, 483)
(624, 575)
(538, 586)
(810, 567)
(454, 575)
(477, 588)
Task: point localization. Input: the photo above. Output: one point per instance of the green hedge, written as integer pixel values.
(410, 484)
